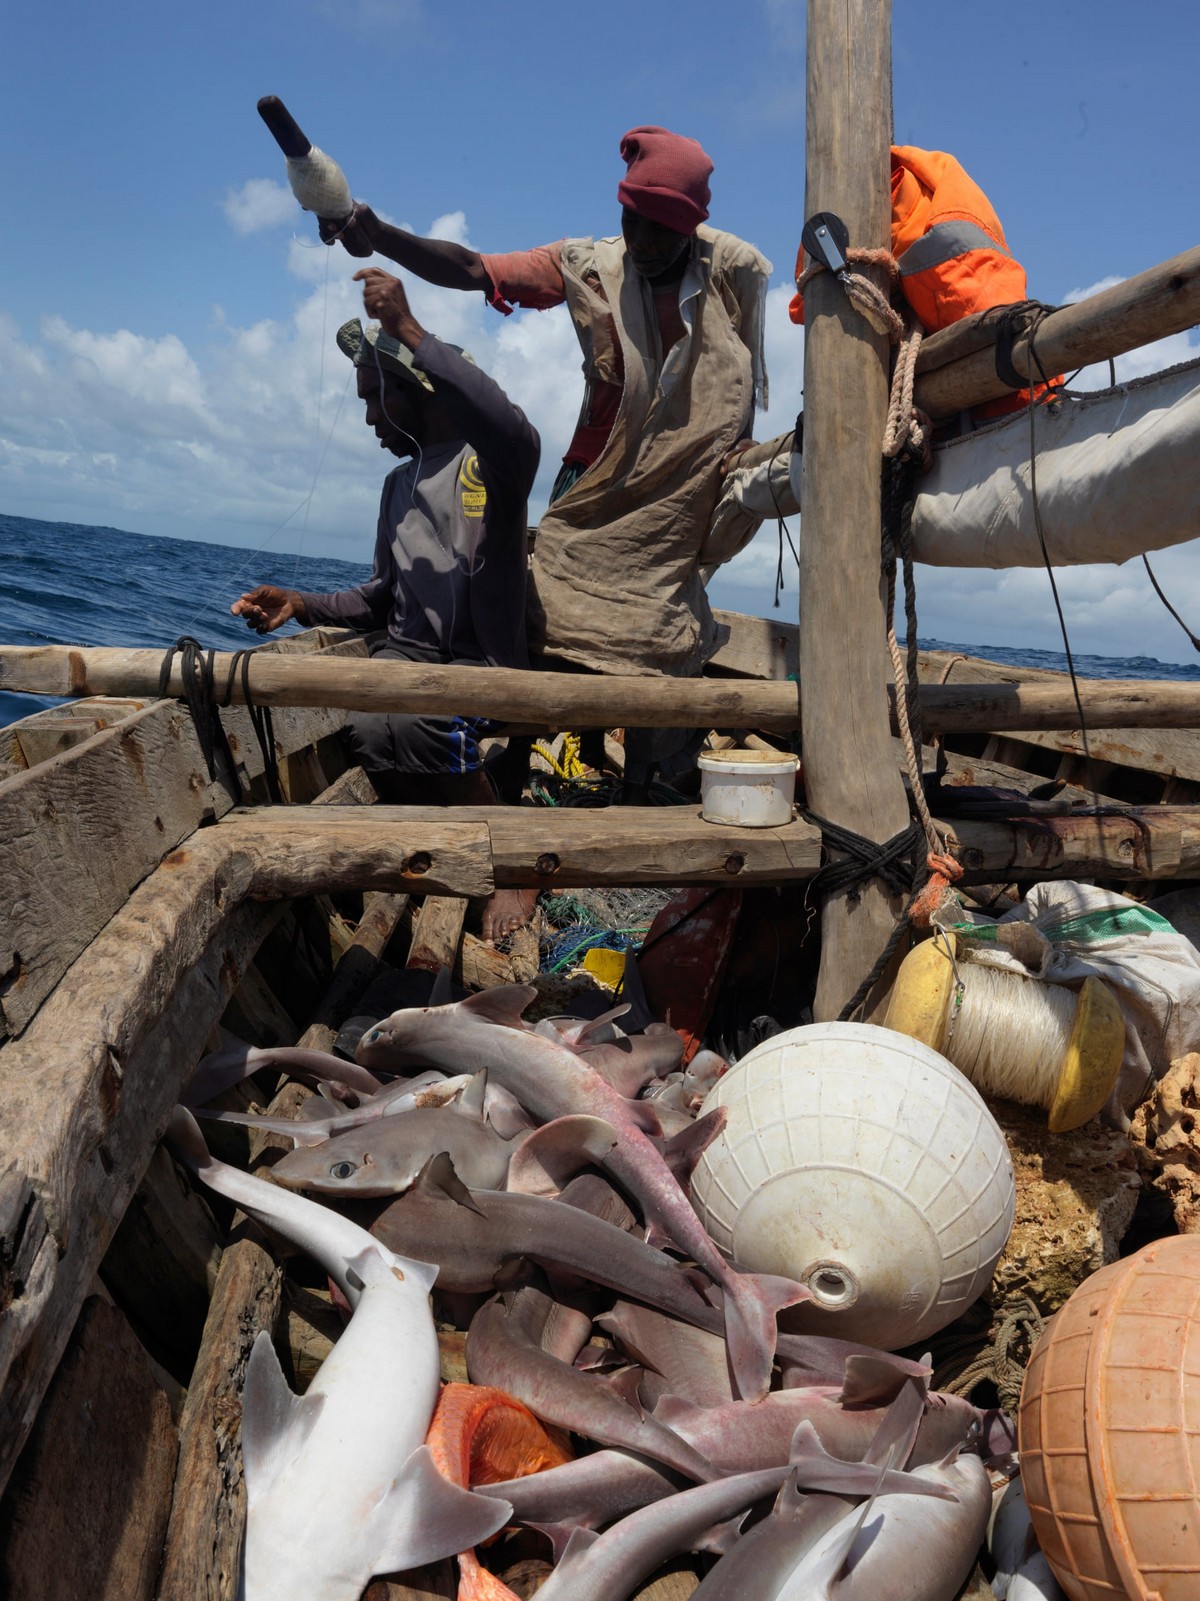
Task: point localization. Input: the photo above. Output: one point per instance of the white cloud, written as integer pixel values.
(260, 203)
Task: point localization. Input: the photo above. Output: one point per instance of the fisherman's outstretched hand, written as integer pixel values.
(268, 607)
(385, 300)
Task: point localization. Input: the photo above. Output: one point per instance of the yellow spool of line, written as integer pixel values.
(921, 1008)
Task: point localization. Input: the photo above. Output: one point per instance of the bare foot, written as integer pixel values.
(505, 911)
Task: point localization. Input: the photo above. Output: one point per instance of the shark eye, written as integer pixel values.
(343, 1170)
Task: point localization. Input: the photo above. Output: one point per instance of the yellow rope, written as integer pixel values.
(569, 765)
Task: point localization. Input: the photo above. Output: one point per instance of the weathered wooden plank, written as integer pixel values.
(536, 846)
(554, 849)
(308, 849)
(756, 647)
(86, 1091)
(1172, 752)
(1147, 844)
(437, 933)
(763, 649)
(86, 1508)
(80, 830)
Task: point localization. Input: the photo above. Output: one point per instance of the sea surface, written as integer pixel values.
(73, 584)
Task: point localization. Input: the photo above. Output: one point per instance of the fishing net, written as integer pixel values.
(588, 919)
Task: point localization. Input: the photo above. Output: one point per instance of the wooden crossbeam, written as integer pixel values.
(577, 701)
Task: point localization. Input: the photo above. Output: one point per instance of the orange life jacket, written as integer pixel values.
(950, 247)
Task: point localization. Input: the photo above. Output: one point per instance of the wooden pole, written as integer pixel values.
(1164, 300)
(576, 700)
(850, 769)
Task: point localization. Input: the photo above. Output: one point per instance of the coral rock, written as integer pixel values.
(1076, 1194)
(1167, 1140)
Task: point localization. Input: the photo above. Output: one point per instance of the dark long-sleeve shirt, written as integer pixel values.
(450, 557)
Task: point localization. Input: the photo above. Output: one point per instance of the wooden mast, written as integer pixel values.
(849, 764)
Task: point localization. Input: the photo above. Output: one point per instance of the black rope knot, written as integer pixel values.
(898, 861)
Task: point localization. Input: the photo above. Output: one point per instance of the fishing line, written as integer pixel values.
(261, 550)
(1031, 407)
(1009, 1034)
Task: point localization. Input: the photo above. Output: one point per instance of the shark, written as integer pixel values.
(384, 1156)
(339, 1483)
(552, 1081)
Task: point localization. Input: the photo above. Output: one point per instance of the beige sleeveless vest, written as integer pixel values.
(614, 579)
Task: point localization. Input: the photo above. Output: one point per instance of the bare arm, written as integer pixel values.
(438, 261)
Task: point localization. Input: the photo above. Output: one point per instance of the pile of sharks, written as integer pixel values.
(534, 1178)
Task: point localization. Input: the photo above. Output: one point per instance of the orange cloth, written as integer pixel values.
(958, 262)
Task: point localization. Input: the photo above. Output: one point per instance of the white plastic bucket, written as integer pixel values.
(748, 788)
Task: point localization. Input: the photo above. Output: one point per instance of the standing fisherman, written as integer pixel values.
(669, 315)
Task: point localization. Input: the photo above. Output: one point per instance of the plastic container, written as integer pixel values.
(1107, 1430)
(748, 788)
(861, 1163)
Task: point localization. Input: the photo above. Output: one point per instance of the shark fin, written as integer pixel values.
(442, 992)
(502, 1005)
(423, 1517)
(579, 1542)
(722, 1536)
(683, 1150)
(875, 1380)
(275, 1419)
(624, 1384)
(588, 1033)
(897, 1432)
(554, 1153)
(751, 1302)
(470, 1100)
(817, 1470)
(440, 1177)
(559, 1536)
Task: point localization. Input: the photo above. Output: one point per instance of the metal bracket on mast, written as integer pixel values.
(827, 239)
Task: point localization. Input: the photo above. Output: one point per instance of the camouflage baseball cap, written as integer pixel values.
(366, 346)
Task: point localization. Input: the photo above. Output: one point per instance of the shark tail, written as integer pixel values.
(752, 1303)
(477, 1583)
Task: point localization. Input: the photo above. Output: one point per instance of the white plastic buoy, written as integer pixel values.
(863, 1164)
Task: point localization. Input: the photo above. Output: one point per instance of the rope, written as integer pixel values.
(863, 294)
(569, 764)
(199, 693)
(196, 670)
(1005, 1359)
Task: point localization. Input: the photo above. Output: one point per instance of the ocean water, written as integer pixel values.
(73, 584)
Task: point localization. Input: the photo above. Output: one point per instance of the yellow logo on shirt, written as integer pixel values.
(474, 495)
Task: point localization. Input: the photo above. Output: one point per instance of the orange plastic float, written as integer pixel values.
(1109, 1430)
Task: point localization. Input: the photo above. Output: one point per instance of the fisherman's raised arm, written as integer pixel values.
(506, 441)
(438, 261)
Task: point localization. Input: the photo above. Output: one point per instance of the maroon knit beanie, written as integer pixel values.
(667, 181)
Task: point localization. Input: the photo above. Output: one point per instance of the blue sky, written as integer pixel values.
(166, 314)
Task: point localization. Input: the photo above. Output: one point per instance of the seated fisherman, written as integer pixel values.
(669, 315)
(448, 582)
